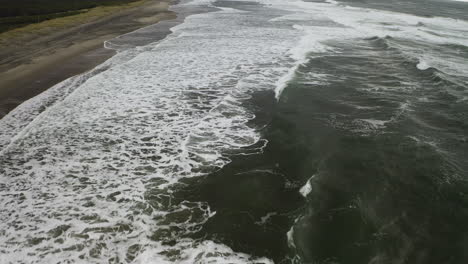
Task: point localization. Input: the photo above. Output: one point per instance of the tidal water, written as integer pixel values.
(266, 131)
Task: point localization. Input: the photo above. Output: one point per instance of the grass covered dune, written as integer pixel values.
(19, 13)
(67, 19)
(35, 56)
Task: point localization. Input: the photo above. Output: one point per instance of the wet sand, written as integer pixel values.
(32, 63)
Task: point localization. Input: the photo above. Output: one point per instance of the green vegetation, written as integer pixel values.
(18, 13)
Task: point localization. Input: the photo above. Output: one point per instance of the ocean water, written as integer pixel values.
(266, 131)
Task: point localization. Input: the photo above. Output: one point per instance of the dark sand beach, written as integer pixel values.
(38, 56)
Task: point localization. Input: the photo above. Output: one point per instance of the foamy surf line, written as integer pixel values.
(347, 23)
(16, 123)
(92, 177)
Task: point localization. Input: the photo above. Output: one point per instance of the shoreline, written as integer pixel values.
(31, 64)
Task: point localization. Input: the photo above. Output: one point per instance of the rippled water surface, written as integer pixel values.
(256, 132)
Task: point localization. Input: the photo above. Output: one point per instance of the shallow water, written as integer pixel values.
(258, 132)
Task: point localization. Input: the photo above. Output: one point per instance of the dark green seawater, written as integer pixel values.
(382, 145)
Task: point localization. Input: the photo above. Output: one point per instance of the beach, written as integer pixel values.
(38, 56)
(258, 131)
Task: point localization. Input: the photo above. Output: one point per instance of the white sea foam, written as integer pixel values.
(92, 177)
(307, 188)
(422, 65)
(332, 2)
(264, 219)
(199, 2)
(290, 237)
(205, 252)
(374, 123)
(325, 22)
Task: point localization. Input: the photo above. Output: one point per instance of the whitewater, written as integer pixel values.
(90, 168)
